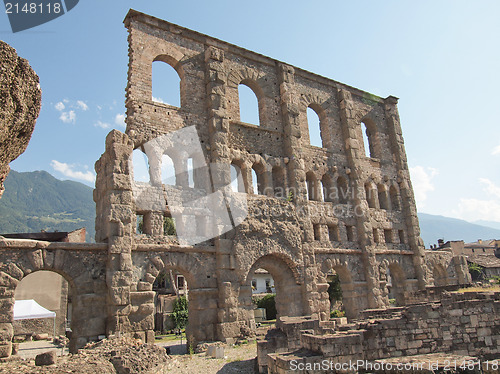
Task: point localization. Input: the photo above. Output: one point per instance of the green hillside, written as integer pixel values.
(36, 201)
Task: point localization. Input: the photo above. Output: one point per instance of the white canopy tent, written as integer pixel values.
(30, 309)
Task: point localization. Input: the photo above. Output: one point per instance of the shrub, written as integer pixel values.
(337, 313)
(269, 303)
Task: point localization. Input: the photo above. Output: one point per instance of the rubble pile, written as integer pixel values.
(109, 356)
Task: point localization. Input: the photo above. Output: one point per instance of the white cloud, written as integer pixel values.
(81, 105)
(68, 117)
(475, 209)
(496, 150)
(158, 100)
(60, 106)
(421, 178)
(68, 171)
(491, 187)
(120, 120)
(102, 125)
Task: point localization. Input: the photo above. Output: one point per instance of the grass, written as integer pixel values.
(168, 338)
(495, 288)
(268, 322)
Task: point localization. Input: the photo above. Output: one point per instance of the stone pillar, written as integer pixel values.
(116, 215)
(290, 109)
(8, 284)
(408, 199)
(365, 231)
(218, 125)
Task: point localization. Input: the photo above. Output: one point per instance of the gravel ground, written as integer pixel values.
(31, 349)
(237, 359)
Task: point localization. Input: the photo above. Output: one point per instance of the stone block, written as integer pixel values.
(45, 359)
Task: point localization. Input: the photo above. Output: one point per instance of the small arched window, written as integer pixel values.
(258, 179)
(342, 190)
(369, 139)
(382, 197)
(328, 188)
(190, 172)
(237, 184)
(165, 84)
(395, 204)
(312, 185)
(249, 105)
(279, 182)
(168, 175)
(313, 124)
(370, 195)
(140, 167)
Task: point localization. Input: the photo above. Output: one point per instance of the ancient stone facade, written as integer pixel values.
(314, 211)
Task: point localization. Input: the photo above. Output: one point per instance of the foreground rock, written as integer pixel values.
(45, 359)
(110, 356)
(20, 102)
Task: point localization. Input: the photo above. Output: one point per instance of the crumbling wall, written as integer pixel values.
(20, 102)
(462, 324)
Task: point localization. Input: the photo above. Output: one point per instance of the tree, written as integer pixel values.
(476, 271)
(169, 226)
(180, 312)
(334, 291)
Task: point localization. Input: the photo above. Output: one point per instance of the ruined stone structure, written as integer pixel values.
(316, 210)
(459, 324)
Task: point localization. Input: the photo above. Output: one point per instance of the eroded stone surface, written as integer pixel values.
(20, 102)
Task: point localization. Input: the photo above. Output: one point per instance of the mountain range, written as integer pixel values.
(35, 201)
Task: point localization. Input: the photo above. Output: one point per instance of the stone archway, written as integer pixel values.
(84, 270)
(440, 275)
(398, 283)
(202, 294)
(349, 295)
(287, 287)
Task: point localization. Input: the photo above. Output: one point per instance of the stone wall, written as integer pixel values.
(460, 324)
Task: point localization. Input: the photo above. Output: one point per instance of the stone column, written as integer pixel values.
(365, 231)
(408, 199)
(290, 109)
(218, 125)
(116, 214)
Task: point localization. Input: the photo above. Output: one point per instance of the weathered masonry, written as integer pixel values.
(312, 210)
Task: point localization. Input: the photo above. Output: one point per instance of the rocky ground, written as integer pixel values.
(130, 356)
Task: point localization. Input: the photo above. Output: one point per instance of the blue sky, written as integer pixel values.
(441, 58)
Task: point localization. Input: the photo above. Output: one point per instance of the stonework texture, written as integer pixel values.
(20, 103)
(315, 211)
(459, 324)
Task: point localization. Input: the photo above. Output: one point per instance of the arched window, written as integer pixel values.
(237, 184)
(328, 188)
(190, 172)
(165, 84)
(279, 182)
(369, 139)
(382, 197)
(249, 105)
(258, 179)
(370, 195)
(168, 175)
(313, 124)
(342, 190)
(140, 167)
(395, 204)
(312, 187)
